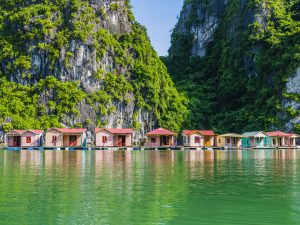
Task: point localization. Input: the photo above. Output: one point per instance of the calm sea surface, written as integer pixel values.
(150, 187)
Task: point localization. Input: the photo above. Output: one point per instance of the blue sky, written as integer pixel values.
(159, 17)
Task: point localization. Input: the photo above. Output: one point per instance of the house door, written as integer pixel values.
(280, 142)
(121, 141)
(274, 143)
(245, 142)
(234, 142)
(207, 142)
(164, 140)
(73, 140)
(17, 141)
(259, 142)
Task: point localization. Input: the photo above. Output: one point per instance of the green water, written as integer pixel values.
(151, 187)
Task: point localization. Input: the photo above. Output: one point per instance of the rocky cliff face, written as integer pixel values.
(206, 16)
(291, 103)
(236, 60)
(90, 63)
(78, 58)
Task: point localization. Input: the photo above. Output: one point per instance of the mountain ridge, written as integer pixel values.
(234, 59)
(82, 63)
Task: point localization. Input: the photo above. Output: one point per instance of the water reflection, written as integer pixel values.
(151, 187)
(80, 158)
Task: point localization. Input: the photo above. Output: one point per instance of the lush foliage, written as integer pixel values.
(20, 106)
(49, 29)
(240, 84)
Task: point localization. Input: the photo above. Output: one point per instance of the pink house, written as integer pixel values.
(65, 137)
(192, 138)
(282, 139)
(199, 138)
(161, 138)
(24, 138)
(111, 137)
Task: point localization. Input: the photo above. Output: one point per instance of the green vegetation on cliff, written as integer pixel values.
(48, 29)
(240, 83)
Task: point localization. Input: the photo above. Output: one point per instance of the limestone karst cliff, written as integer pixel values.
(237, 61)
(82, 63)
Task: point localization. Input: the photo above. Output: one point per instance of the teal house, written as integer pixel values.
(256, 139)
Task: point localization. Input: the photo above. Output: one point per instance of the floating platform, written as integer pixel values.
(33, 148)
(289, 147)
(162, 148)
(13, 148)
(178, 148)
(204, 148)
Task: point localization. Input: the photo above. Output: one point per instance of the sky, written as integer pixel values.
(159, 17)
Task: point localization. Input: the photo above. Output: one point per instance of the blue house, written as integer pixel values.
(256, 139)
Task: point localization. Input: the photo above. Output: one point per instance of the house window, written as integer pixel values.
(104, 139)
(197, 140)
(54, 139)
(228, 140)
(153, 140)
(291, 141)
(219, 140)
(188, 140)
(28, 140)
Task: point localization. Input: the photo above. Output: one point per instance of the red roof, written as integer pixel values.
(70, 130)
(207, 132)
(189, 132)
(278, 134)
(36, 131)
(24, 131)
(19, 131)
(161, 131)
(203, 132)
(116, 130)
(16, 131)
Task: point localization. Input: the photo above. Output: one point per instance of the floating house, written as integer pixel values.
(161, 138)
(65, 137)
(281, 139)
(24, 138)
(230, 140)
(199, 138)
(210, 138)
(108, 137)
(192, 138)
(256, 139)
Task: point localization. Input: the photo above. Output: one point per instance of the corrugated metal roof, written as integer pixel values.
(207, 132)
(161, 131)
(203, 132)
(190, 132)
(21, 132)
(116, 130)
(13, 132)
(252, 133)
(278, 134)
(69, 130)
(231, 135)
(35, 131)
